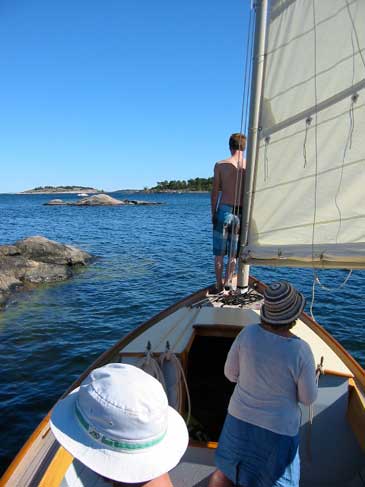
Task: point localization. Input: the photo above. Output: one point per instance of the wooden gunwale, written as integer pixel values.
(356, 412)
(19, 457)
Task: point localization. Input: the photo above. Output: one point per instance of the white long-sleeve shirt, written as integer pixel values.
(273, 374)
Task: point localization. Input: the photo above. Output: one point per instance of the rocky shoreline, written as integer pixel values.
(36, 260)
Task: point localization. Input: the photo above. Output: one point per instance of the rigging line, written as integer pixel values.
(347, 147)
(244, 105)
(315, 136)
(250, 73)
(355, 32)
(250, 69)
(247, 73)
(315, 276)
(307, 124)
(266, 160)
(245, 101)
(334, 289)
(348, 144)
(312, 300)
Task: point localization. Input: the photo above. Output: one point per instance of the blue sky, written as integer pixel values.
(118, 93)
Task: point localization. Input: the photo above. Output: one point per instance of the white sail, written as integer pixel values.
(308, 196)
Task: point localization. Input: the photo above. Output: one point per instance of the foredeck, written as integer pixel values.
(178, 330)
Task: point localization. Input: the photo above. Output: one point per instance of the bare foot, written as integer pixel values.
(218, 479)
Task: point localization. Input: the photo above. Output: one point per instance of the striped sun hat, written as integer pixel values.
(282, 304)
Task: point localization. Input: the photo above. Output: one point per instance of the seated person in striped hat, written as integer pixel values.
(273, 370)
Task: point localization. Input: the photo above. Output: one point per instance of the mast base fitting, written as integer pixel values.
(242, 290)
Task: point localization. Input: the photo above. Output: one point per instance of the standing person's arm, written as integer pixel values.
(307, 384)
(232, 365)
(215, 191)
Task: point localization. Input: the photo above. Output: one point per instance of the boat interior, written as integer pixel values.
(199, 336)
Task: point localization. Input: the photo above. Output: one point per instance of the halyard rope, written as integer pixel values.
(244, 114)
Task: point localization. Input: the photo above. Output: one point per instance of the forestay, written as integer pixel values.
(307, 198)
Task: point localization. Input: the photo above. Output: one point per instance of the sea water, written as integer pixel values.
(148, 257)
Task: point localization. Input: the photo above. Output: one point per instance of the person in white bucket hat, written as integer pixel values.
(119, 424)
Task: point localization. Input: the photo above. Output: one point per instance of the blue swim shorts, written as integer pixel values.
(226, 231)
(256, 457)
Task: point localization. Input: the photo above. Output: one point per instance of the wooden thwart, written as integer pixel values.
(57, 469)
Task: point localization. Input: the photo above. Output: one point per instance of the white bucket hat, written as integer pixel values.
(119, 424)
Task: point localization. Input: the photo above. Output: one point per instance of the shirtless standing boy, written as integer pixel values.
(226, 200)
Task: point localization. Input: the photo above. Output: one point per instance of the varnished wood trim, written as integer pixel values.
(57, 469)
(203, 444)
(338, 374)
(190, 342)
(142, 354)
(132, 354)
(356, 413)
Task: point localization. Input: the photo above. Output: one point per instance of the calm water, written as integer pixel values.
(149, 257)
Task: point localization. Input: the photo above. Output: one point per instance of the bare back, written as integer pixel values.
(229, 180)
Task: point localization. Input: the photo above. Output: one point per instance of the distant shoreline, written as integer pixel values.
(59, 192)
(162, 191)
(177, 191)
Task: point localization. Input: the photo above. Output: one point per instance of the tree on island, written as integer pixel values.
(197, 184)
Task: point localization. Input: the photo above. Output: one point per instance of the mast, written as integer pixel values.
(261, 7)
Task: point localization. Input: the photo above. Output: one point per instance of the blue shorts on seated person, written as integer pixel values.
(256, 457)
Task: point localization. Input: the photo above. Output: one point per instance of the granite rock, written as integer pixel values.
(35, 260)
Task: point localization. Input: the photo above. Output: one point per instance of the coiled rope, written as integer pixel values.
(157, 368)
(167, 359)
(150, 365)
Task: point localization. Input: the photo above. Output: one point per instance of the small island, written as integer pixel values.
(62, 189)
(195, 185)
